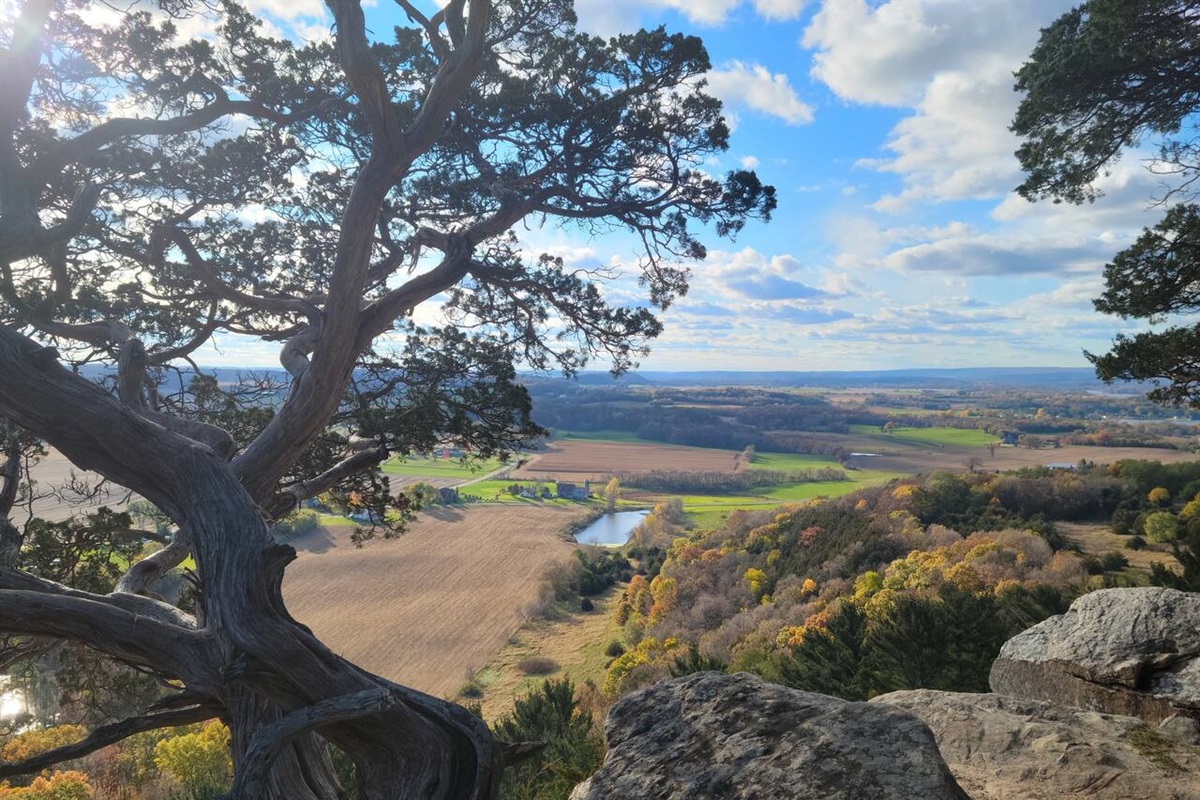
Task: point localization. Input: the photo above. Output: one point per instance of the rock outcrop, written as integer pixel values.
(1004, 747)
(731, 737)
(1132, 652)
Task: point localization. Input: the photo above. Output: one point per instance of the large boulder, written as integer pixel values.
(1134, 652)
(711, 736)
(1003, 747)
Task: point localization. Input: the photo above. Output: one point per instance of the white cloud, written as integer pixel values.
(754, 87)
(748, 162)
(779, 9)
(704, 12)
(952, 63)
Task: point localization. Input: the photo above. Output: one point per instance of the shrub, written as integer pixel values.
(573, 752)
(537, 665)
(470, 689)
(614, 649)
(1161, 526)
(586, 604)
(1136, 543)
(297, 524)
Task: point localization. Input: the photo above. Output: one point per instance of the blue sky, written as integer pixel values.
(898, 241)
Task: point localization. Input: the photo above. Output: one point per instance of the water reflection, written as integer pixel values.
(611, 530)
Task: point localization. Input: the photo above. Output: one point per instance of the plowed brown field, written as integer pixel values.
(429, 607)
(580, 459)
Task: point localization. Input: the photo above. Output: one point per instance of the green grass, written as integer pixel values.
(789, 462)
(603, 436)
(496, 491)
(957, 437)
(439, 467)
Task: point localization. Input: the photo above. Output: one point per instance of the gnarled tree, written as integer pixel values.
(158, 194)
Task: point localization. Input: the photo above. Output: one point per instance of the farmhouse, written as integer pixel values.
(570, 491)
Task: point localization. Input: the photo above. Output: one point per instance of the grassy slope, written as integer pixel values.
(576, 641)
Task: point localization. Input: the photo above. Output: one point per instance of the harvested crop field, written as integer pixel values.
(432, 606)
(924, 458)
(581, 459)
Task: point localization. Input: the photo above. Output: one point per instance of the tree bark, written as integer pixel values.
(250, 657)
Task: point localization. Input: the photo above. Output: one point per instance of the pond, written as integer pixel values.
(611, 530)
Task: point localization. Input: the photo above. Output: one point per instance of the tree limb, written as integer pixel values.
(131, 378)
(223, 291)
(292, 496)
(109, 734)
(101, 625)
(270, 740)
(142, 575)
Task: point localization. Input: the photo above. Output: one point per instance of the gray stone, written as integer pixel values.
(1005, 748)
(711, 736)
(1121, 651)
(1181, 729)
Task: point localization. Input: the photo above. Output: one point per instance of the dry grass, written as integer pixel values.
(432, 606)
(1096, 539)
(576, 642)
(579, 459)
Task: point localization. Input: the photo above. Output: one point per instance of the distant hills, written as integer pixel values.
(1045, 378)
(1035, 378)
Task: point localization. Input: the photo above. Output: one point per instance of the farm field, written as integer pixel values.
(440, 467)
(430, 607)
(578, 459)
(939, 437)
(910, 458)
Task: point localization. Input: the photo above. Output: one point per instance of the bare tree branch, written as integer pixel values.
(109, 734)
(292, 496)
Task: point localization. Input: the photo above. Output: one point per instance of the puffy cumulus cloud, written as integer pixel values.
(952, 63)
(748, 162)
(742, 86)
(957, 146)
(748, 274)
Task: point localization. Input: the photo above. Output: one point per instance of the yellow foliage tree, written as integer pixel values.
(67, 785)
(755, 578)
(1159, 496)
(198, 760)
(36, 742)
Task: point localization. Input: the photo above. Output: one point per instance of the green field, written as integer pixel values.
(439, 467)
(625, 437)
(791, 462)
(941, 437)
(496, 491)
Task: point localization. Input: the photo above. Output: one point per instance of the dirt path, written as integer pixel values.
(429, 608)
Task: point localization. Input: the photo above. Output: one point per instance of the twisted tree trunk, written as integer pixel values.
(282, 692)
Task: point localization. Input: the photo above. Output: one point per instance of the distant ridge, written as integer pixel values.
(1043, 378)
(1061, 378)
